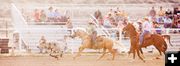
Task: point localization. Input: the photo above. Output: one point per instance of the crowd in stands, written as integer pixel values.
(167, 18)
(161, 18)
(112, 18)
(52, 15)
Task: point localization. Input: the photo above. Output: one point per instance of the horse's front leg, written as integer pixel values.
(130, 51)
(138, 53)
(104, 52)
(134, 52)
(79, 53)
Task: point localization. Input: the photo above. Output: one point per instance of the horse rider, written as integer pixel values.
(146, 29)
(93, 33)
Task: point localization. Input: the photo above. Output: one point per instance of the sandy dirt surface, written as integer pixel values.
(84, 60)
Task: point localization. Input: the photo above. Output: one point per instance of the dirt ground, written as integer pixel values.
(84, 60)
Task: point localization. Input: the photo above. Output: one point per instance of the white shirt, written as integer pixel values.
(147, 26)
(167, 20)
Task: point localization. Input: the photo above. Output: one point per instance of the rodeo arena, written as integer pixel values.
(88, 34)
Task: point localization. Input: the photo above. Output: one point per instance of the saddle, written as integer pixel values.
(147, 36)
(93, 42)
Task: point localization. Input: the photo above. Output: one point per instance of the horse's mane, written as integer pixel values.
(132, 26)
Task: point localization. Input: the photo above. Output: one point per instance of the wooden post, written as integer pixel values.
(6, 29)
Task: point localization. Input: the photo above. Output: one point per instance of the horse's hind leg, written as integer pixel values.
(79, 53)
(104, 52)
(141, 50)
(158, 50)
(113, 53)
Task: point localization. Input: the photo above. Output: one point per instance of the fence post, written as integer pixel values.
(120, 35)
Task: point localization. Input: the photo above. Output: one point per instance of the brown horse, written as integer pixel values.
(156, 40)
(134, 39)
(101, 41)
(168, 38)
(159, 43)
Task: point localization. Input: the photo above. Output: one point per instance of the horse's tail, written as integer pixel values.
(169, 39)
(165, 46)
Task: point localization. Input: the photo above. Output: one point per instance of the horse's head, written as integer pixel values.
(74, 34)
(127, 29)
(79, 32)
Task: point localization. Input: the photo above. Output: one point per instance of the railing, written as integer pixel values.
(99, 26)
(46, 23)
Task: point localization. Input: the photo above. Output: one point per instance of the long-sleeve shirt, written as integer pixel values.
(147, 26)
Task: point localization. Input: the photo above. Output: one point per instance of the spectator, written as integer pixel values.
(156, 25)
(167, 22)
(36, 15)
(117, 18)
(124, 14)
(169, 13)
(97, 14)
(107, 23)
(175, 23)
(117, 9)
(176, 11)
(57, 16)
(110, 11)
(69, 23)
(152, 14)
(161, 14)
(120, 16)
(125, 22)
(176, 15)
(65, 16)
(50, 15)
(42, 16)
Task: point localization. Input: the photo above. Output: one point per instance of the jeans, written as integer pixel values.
(93, 36)
(141, 37)
(160, 19)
